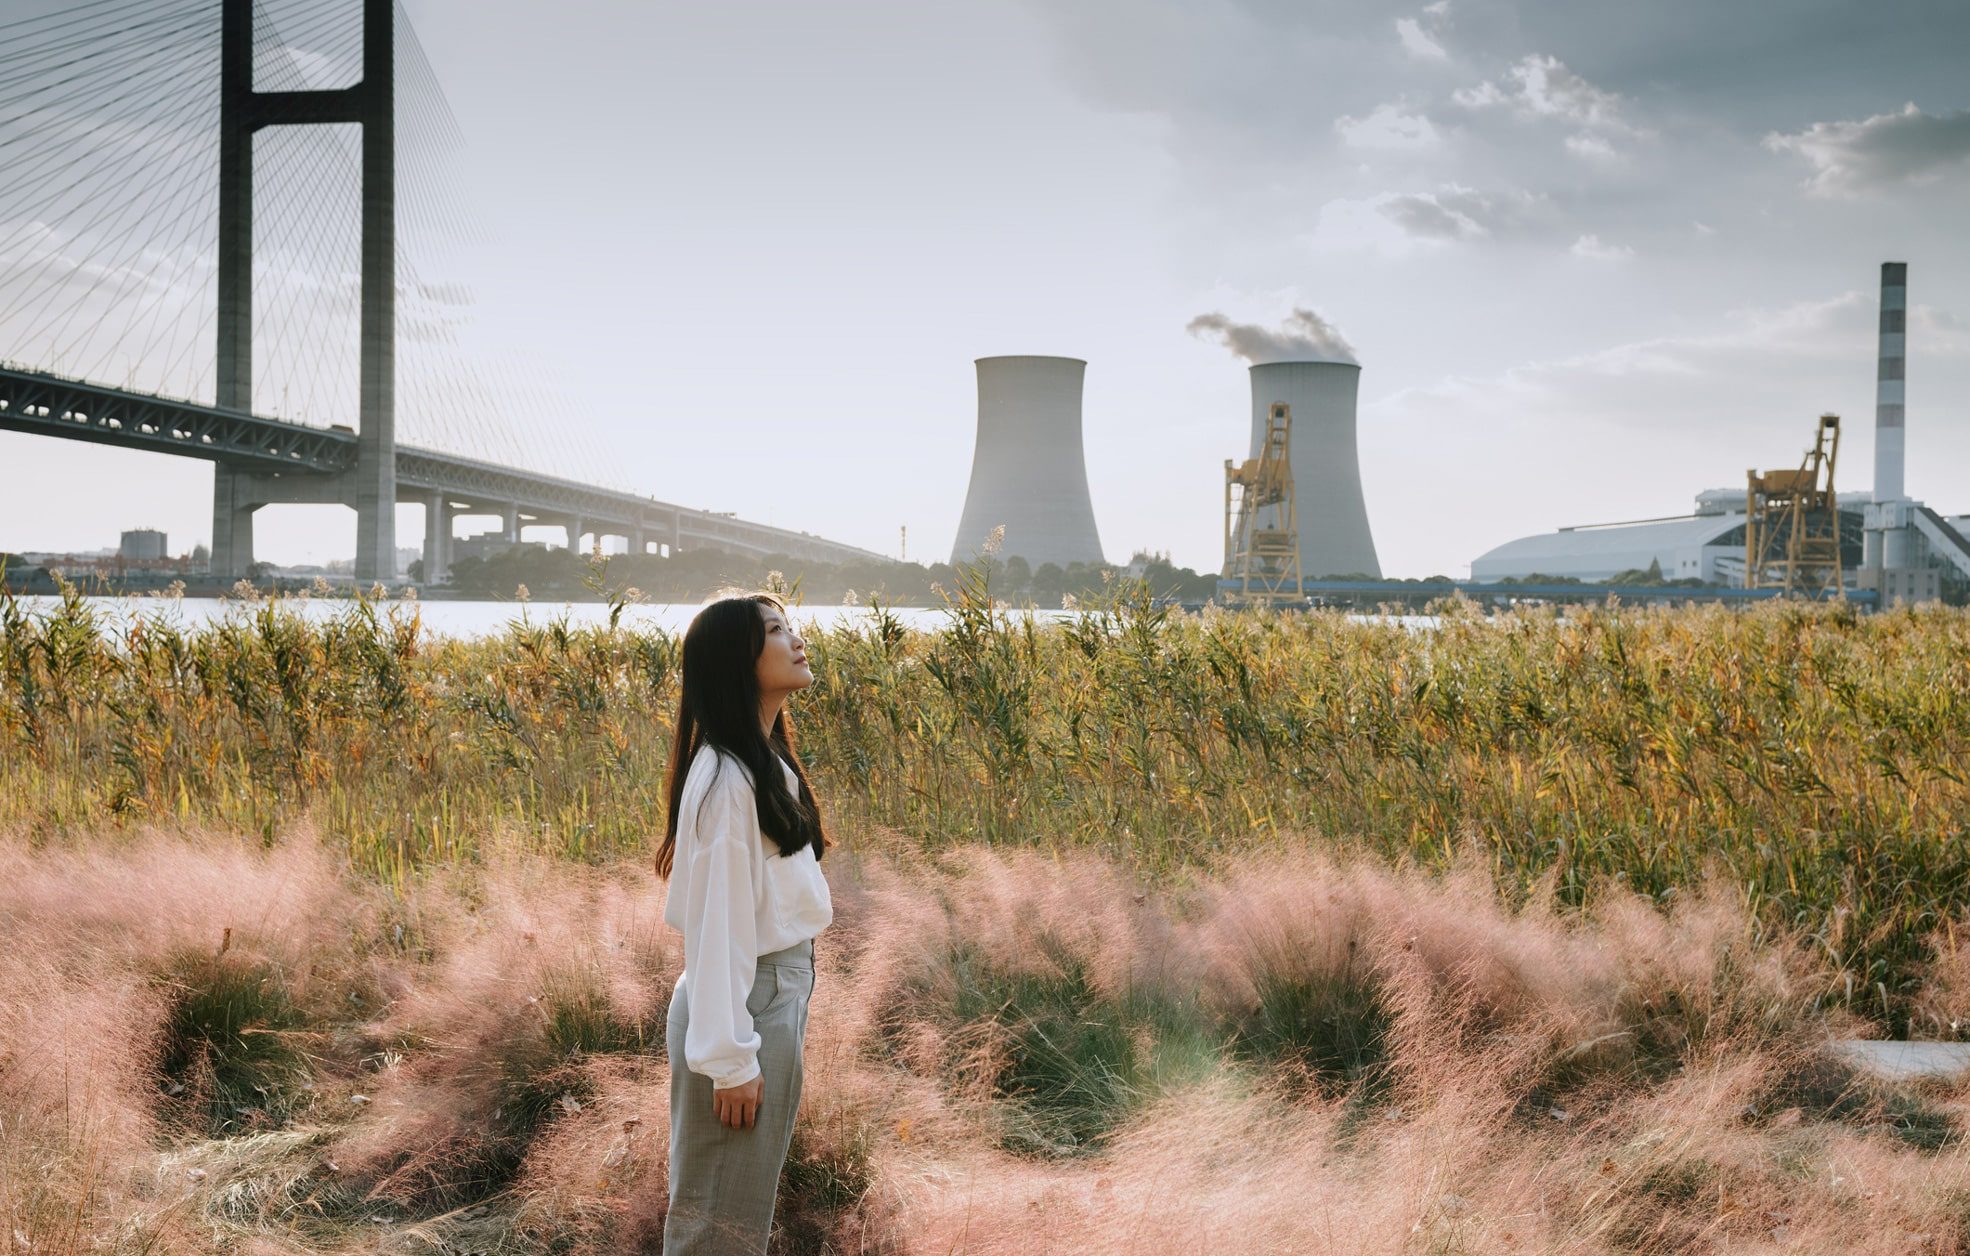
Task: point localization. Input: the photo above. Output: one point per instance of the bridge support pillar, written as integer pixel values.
(437, 524)
(370, 104)
(637, 544)
(510, 518)
(376, 435)
(575, 529)
(232, 524)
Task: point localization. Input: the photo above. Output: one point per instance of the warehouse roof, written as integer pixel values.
(1603, 551)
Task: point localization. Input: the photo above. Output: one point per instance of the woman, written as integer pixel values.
(741, 857)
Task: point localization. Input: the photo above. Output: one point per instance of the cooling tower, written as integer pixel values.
(1333, 519)
(1027, 471)
(1889, 452)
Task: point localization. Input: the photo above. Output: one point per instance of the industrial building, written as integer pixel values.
(144, 545)
(1028, 472)
(1328, 508)
(1898, 547)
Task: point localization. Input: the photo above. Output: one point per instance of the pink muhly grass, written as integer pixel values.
(148, 898)
(76, 1087)
(1564, 1082)
(1027, 912)
(102, 940)
(595, 1181)
(552, 966)
(1513, 1077)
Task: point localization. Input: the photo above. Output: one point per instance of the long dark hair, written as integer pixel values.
(718, 706)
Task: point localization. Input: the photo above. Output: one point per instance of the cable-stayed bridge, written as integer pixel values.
(216, 235)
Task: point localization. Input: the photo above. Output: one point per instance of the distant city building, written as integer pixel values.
(487, 545)
(144, 545)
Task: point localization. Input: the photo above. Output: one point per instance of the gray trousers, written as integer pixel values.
(724, 1182)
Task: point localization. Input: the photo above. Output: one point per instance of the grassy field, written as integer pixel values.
(1813, 759)
(1276, 933)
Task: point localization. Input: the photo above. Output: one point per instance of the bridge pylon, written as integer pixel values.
(371, 104)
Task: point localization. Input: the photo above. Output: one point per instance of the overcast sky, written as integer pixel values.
(1593, 258)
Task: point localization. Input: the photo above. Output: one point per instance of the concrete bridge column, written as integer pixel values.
(435, 523)
(376, 422)
(511, 515)
(575, 529)
(676, 531)
(232, 524)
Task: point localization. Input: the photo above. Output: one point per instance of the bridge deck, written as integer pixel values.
(310, 461)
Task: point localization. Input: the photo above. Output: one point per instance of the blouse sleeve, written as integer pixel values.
(721, 937)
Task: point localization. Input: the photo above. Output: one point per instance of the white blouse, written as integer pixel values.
(735, 898)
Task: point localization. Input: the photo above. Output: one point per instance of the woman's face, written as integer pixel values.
(782, 664)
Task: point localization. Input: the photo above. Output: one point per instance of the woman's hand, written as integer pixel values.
(738, 1106)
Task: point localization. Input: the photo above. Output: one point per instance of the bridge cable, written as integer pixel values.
(126, 192)
(176, 178)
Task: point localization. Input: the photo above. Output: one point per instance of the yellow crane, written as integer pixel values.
(1792, 521)
(1262, 555)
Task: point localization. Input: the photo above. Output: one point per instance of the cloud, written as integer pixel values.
(318, 70)
(1590, 147)
(1437, 215)
(1792, 349)
(1358, 226)
(1543, 87)
(446, 293)
(1591, 248)
(1422, 36)
(1418, 42)
(1454, 212)
(1937, 332)
(1387, 127)
(42, 256)
(1303, 336)
(1849, 158)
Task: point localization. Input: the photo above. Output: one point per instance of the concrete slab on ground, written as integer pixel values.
(1905, 1061)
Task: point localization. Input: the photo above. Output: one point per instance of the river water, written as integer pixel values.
(479, 619)
(465, 619)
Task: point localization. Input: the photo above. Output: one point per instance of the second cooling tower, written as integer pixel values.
(1333, 518)
(1028, 472)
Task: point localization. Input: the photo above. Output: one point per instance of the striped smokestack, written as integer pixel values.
(1888, 381)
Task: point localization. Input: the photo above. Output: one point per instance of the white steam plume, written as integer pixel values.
(1303, 337)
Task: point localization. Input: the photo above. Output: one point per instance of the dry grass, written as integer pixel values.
(1009, 1052)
